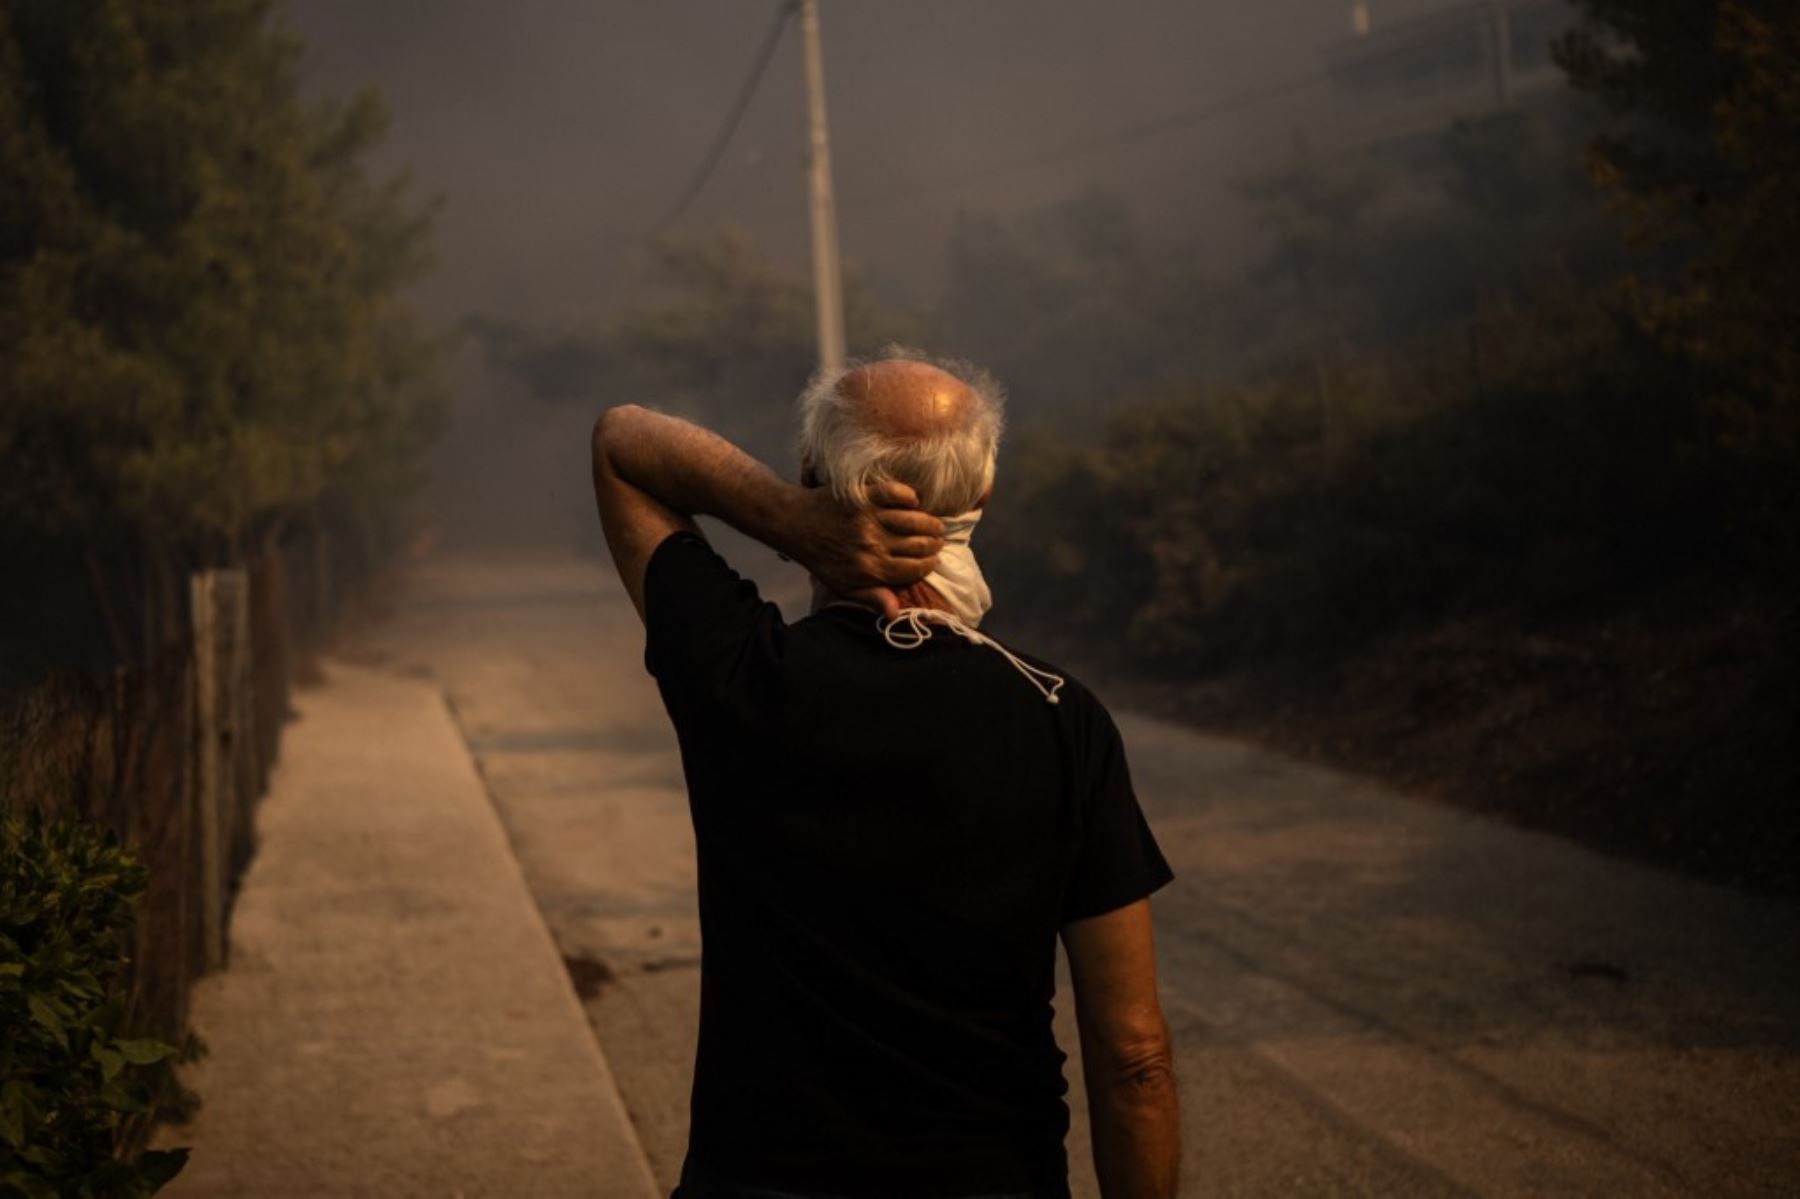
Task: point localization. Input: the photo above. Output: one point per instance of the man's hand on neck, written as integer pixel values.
(652, 472)
(850, 545)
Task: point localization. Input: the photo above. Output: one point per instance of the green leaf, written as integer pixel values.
(122, 1097)
(111, 1061)
(144, 1052)
(29, 1185)
(12, 1113)
(45, 1014)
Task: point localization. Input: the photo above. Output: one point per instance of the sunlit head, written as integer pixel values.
(903, 417)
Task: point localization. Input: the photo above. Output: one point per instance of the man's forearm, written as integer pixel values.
(1137, 1141)
(1135, 1120)
(698, 473)
(654, 472)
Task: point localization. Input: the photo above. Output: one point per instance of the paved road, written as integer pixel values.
(1371, 994)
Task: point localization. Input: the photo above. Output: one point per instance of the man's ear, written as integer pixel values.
(982, 502)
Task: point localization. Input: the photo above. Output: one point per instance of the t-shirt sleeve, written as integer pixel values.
(703, 621)
(1117, 860)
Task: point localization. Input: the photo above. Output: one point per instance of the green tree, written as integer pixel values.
(1704, 163)
(200, 329)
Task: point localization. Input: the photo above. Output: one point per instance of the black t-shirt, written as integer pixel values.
(888, 842)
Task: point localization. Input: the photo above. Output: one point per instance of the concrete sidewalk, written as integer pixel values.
(395, 1020)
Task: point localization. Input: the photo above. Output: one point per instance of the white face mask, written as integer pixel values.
(958, 577)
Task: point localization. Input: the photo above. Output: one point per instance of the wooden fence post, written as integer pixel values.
(191, 947)
(221, 657)
(242, 741)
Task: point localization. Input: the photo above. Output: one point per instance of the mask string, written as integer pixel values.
(912, 628)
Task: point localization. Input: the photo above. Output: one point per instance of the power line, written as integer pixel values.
(758, 66)
(1092, 145)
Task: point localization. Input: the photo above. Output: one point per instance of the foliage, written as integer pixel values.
(1499, 405)
(200, 331)
(1704, 166)
(1363, 251)
(1520, 459)
(69, 1074)
(1082, 304)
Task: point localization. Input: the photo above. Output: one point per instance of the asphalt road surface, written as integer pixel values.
(1370, 994)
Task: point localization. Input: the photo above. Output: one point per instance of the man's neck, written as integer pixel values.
(917, 595)
(922, 595)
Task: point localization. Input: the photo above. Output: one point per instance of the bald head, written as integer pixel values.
(908, 400)
(933, 425)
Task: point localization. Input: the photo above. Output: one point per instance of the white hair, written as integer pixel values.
(951, 470)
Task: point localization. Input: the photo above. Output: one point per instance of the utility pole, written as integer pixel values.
(1500, 56)
(828, 287)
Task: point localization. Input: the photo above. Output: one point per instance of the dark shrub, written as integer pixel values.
(69, 1075)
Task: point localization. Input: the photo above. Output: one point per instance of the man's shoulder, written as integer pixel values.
(686, 562)
(1074, 697)
(700, 615)
(1075, 700)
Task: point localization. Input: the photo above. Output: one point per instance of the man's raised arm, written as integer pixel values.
(654, 473)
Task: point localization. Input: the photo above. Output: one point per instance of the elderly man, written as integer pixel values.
(895, 817)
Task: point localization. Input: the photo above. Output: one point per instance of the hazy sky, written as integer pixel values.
(560, 131)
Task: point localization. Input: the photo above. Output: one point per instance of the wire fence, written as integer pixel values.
(173, 760)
